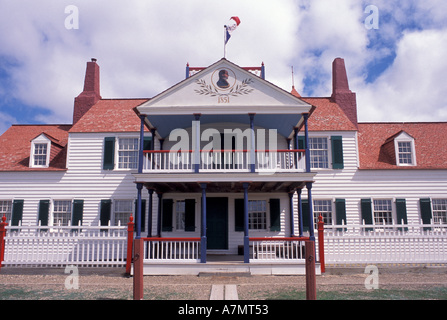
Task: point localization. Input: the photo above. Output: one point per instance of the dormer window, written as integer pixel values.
(405, 151)
(40, 152)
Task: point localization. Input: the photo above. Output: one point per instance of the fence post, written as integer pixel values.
(311, 281)
(130, 229)
(3, 225)
(321, 243)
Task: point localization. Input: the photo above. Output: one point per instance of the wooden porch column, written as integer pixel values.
(292, 223)
(295, 145)
(141, 149)
(149, 215)
(160, 195)
(300, 213)
(138, 213)
(203, 243)
(306, 141)
(252, 143)
(245, 185)
(196, 142)
(311, 214)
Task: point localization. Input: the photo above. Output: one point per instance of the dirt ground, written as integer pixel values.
(108, 283)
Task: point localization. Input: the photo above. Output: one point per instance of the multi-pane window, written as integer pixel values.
(404, 152)
(439, 211)
(128, 153)
(5, 209)
(122, 211)
(257, 214)
(180, 214)
(319, 155)
(61, 212)
(323, 208)
(40, 154)
(383, 212)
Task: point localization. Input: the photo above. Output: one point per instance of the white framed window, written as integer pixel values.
(319, 152)
(323, 208)
(61, 212)
(40, 152)
(405, 150)
(123, 209)
(180, 213)
(6, 209)
(128, 153)
(257, 214)
(439, 207)
(383, 211)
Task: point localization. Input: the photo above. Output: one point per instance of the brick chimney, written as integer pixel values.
(91, 93)
(341, 94)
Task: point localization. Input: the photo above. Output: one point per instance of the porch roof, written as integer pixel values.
(225, 183)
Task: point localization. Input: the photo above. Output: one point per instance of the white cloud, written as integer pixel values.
(413, 88)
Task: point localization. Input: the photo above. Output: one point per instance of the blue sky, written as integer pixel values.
(397, 70)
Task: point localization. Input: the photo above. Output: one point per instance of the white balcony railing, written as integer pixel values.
(225, 161)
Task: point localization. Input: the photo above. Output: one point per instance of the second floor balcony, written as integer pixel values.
(223, 161)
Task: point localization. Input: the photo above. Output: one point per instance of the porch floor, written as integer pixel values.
(228, 265)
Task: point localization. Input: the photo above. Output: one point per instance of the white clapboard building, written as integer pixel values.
(227, 163)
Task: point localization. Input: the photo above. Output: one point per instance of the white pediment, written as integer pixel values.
(224, 88)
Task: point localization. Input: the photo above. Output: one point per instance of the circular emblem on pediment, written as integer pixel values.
(223, 79)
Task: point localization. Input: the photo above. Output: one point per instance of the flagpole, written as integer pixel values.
(225, 44)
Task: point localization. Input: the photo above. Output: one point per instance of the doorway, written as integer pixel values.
(217, 223)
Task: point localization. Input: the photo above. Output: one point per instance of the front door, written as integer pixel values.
(217, 223)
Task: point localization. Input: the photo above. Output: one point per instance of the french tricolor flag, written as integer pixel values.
(234, 23)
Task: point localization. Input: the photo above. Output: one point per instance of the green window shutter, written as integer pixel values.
(109, 153)
(190, 215)
(44, 209)
(401, 211)
(340, 211)
(426, 214)
(17, 212)
(275, 215)
(238, 214)
(105, 211)
(305, 213)
(166, 220)
(337, 152)
(147, 144)
(78, 210)
(366, 211)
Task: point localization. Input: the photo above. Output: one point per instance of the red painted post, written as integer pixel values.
(311, 281)
(138, 269)
(321, 243)
(3, 225)
(130, 229)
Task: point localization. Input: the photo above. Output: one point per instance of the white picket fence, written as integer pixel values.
(409, 243)
(36, 246)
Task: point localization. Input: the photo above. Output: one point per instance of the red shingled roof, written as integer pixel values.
(16, 147)
(110, 115)
(430, 139)
(328, 116)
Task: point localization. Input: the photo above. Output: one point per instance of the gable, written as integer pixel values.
(224, 86)
(224, 92)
